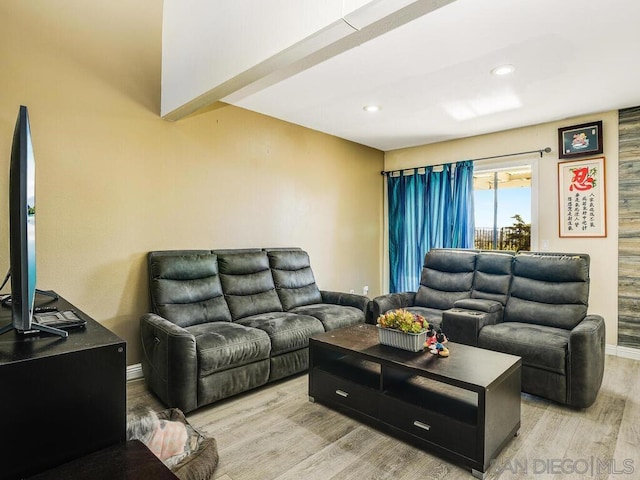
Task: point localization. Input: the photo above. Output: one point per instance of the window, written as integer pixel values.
(502, 198)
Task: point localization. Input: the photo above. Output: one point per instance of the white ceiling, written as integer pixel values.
(431, 75)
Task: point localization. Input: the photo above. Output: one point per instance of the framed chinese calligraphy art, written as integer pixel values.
(581, 198)
(580, 140)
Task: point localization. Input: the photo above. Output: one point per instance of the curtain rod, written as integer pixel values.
(540, 151)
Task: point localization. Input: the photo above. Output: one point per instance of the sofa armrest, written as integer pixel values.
(586, 358)
(391, 301)
(492, 312)
(479, 304)
(345, 299)
(169, 362)
(463, 325)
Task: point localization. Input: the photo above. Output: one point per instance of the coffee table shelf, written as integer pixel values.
(465, 407)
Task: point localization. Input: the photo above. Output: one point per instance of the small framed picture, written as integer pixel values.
(580, 140)
(581, 198)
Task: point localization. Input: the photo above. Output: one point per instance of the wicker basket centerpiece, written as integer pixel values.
(403, 329)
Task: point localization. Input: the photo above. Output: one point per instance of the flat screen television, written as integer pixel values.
(22, 231)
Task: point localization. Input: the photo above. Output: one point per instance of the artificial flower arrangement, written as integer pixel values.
(426, 337)
(403, 329)
(404, 321)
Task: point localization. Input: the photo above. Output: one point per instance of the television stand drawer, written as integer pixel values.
(340, 391)
(438, 429)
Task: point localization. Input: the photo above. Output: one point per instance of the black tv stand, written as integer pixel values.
(61, 399)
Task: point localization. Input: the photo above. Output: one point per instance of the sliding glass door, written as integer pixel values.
(502, 199)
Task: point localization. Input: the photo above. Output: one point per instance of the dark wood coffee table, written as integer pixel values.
(465, 407)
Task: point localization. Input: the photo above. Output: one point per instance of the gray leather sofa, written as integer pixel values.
(226, 321)
(529, 304)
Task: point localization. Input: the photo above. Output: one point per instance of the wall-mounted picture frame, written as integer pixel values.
(580, 140)
(581, 198)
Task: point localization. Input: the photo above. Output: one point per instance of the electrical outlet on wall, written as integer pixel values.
(365, 290)
(352, 291)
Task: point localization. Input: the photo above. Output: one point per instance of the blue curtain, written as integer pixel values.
(463, 211)
(427, 210)
(406, 221)
(395, 192)
(437, 196)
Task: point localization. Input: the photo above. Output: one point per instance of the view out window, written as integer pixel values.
(502, 200)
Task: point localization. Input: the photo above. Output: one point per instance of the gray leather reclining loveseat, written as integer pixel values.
(533, 305)
(226, 321)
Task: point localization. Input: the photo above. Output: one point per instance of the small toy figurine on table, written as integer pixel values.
(431, 338)
(435, 342)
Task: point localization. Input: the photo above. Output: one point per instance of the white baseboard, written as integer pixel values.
(611, 350)
(626, 352)
(134, 372)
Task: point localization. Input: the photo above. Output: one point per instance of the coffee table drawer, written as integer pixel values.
(343, 392)
(446, 432)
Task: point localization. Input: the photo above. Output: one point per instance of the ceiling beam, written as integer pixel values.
(370, 20)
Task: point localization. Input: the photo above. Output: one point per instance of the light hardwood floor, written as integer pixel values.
(275, 433)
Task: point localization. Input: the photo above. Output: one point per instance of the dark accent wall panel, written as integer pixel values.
(629, 229)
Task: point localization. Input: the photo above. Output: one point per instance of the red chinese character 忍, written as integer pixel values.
(582, 179)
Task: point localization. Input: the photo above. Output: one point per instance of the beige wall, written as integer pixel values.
(115, 181)
(603, 297)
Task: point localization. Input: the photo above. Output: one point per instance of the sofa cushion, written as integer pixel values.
(288, 364)
(447, 276)
(332, 316)
(287, 331)
(223, 345)
(553, 267)
(549, 289)
(185, 287)
(492, 277)
(293, 277)
(539, 346)
(247, 283)
(226, 383)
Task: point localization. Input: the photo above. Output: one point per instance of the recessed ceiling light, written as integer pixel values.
(372, 108)
(503, 70)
